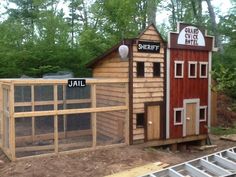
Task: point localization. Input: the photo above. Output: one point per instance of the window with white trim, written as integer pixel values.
(192, 69)
(203, 69)
(179, 69)
(202, 113)
(178, 116)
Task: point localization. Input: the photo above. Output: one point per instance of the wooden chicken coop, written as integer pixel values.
(169, 84)
(159, 95)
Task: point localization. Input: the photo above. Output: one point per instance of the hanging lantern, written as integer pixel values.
(124, 51)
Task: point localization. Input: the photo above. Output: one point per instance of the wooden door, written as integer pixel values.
(153, 122)
(191, 109)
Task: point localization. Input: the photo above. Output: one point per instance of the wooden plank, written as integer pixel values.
(94, 115)
(1, 116)
(34, 81)
(12, 123)
(110, 93)
(127, 115)
(148, 95)
(34, 148)
(113, 65)
(148, 85)
(150, 37)
(55, 118)
(151, 89)
(112, 98)
(108, 89)
(147, 55)
(32, 108)
(69, 111)
(149, 80)
(143, 100)
(138, 137)
(111, 75)
(65, 107)
(111, 70)
(149, 59)
(142, 170)
(41, 103)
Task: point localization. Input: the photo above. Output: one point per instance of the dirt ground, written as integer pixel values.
(100, 162)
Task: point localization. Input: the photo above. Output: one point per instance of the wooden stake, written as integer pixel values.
(127, 114)
(55, 119)
(12, 123)
(32, 107)
(94, 115)
(64, 107)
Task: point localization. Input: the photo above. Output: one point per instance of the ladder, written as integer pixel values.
(222, 164)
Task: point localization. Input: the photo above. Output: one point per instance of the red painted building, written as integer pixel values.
(188, 82)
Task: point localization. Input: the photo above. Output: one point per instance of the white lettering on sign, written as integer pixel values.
(148, 47)
(191, 35)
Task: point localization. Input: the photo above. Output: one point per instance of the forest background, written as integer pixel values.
(39, 37)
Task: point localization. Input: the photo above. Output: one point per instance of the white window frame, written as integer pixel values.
(189, 68)
(205, 109)
(182, 113)
(182, 72)
(200, 69)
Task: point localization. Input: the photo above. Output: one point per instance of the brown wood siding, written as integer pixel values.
(186, 88)
(147, 89)
(111, 67)
(111, 124)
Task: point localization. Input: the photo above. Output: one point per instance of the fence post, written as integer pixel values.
(55, 118)
(12, 123)
(94, 115)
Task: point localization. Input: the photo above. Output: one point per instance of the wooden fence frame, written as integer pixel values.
(11, 83)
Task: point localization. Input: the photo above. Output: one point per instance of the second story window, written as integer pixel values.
(192, 69)
(156, 69)
(179, 69)
(140, 69)
(203, 70)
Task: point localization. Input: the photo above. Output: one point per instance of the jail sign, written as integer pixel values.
(191, 35)
(76, 83)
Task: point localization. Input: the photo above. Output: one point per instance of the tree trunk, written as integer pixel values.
(151, 11)
(213, 23)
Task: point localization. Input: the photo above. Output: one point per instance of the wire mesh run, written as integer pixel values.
(45, 116)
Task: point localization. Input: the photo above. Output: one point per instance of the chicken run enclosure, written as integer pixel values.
(43, 116)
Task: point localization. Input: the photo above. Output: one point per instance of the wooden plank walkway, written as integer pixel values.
(138, 171)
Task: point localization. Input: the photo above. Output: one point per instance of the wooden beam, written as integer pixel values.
(42, 103)
(24, 82)
(32, 108)
(127, 114)
(69, 111)
(12, 123)
(64, 107)
(94, 115)
(55, 118)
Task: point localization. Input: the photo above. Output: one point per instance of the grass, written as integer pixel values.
(223, 130)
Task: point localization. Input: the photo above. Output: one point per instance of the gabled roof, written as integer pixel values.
(93, 62)
(151, 24)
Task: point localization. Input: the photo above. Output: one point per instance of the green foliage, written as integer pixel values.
(223, 131)
(37, 37)
(226, 80)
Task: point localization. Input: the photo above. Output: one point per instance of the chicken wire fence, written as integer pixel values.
(41, 117)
